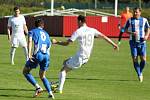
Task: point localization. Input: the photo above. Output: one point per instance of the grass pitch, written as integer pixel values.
(109, 75)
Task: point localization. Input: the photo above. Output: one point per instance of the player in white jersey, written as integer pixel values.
(17, 24)
(85, 36)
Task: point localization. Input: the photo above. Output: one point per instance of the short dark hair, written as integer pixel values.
(38, 22)
(16, 8)
(81, 18)
(137, 8)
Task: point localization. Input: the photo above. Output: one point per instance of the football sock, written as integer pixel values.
(37, 86)
(142, 65)
(12, 54)
(31, 79)
(62, 77)
(46, 84)
(137, 68)
(26, 53)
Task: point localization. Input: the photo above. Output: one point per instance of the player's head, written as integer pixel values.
(136, 12)
(81, 20)
(127, 9)
(39, 23)
(16, 10)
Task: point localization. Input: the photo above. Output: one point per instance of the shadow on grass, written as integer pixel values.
(96, 79)
(16, 94)
(99, 79)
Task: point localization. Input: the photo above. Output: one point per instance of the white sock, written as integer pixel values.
(26, 53)
(12, 54)
(37, 86)
(62, 77)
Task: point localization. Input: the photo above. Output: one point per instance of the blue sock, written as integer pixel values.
(142, 65)
(46, 84)
(30, 78)
(137, 68)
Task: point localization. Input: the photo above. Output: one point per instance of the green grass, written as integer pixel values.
(109, 75)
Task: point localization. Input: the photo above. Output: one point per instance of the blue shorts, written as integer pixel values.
(137, 49)
(41, 59)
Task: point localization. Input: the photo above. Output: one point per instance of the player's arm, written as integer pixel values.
(147, 32)
(25, 29)
(109, 41)
(63, 43)
(8, 32)
(29, 46)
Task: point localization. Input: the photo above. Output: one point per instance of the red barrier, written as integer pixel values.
(66, 25)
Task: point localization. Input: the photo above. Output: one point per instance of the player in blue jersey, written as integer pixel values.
(138, 28)
(40, 56)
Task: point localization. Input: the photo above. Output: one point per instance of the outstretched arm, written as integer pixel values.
(110, 41)
(63, 43)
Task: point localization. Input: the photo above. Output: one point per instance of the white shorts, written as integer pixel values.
(15, 42)
(75, 62)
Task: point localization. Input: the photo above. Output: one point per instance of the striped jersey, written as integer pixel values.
(137, 25)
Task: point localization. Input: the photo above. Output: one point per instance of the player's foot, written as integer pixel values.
(12, 63)
(51, 96)
(119, 43)
(54, 86)
(141, 78)
(60, 91)
(38, 91)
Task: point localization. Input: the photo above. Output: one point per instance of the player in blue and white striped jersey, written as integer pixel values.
(138, 29)
(40, 56)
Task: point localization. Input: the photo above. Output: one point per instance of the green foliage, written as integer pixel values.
(109, 74)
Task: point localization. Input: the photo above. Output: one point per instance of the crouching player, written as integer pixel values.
(40, 56)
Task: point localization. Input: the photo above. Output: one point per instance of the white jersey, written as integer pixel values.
(17, 24)
(85, 36)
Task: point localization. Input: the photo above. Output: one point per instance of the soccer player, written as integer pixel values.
(40, 56)
(138, 35)
(85, 36)
(17, 24)
(125, 15)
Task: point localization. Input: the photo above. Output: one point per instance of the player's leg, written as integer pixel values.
(23, 43)
(26, 52)
(12, 54)
(134, 54)
(46, 83)
(44, 65)
(62, 77)
(143, 56)
(14, 43)
(143, 60)
(26, 72)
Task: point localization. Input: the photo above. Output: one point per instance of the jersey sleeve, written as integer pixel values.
(74, 36)
(97, 33)
(146, 24)
(23, 19)
(9, 22)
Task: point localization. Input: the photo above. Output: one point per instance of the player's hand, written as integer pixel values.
(116, 47)
(54, 41)
(145, 38)
(31, 59)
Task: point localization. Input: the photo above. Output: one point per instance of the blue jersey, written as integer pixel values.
(41, 40)
(137, 25)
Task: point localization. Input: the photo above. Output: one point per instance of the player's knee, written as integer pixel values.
(42, 75)
(25, 71)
